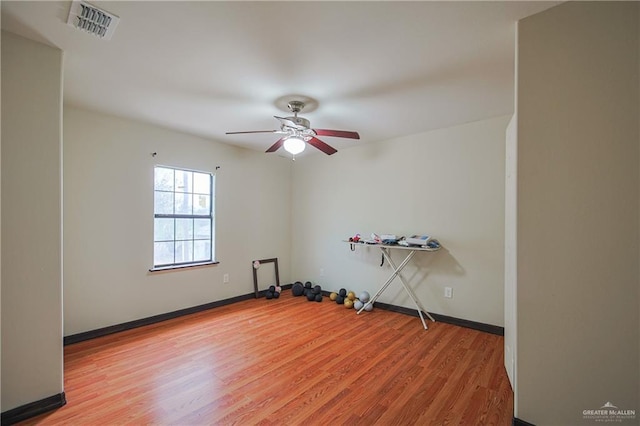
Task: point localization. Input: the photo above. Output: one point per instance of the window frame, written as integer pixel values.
(175, 216)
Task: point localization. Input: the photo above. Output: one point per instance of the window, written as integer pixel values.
(183, 226)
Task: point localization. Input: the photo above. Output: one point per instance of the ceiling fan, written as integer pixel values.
(297, 133)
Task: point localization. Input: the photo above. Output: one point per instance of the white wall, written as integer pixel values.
(447, 183)
(578, 206)
(108, 224)
(31, 221)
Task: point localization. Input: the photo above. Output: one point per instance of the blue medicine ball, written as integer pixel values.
(297, 289)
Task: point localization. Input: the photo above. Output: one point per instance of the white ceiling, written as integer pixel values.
(384, 69)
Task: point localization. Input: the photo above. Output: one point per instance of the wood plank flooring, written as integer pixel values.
(287, 362)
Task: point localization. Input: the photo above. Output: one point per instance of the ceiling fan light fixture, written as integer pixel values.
(294, 145)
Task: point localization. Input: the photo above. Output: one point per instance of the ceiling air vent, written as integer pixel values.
(93, 20)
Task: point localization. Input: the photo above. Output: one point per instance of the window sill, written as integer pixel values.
(181, 267)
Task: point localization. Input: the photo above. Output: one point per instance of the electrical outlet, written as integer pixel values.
(225, 278)
(448, 292)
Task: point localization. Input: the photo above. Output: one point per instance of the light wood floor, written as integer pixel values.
(289, 362)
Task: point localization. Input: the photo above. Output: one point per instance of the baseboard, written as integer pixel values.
(33, 409)
(487, 328)
(105, 331)
(518, 422)
(92, 334)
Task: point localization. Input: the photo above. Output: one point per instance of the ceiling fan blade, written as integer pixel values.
(276, 146)
(337, 133)
(252, 131)
(322, 146)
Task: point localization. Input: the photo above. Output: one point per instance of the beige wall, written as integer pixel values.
(108, 195)
(578, 207)
(448, 183)
(31, 221)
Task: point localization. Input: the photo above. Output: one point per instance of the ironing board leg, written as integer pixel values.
(408, 289)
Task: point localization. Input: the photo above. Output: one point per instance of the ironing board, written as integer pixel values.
(386, 252)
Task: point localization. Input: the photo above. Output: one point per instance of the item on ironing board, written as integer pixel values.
(433, 243)
(375, 239)
(418, 240)
(389, 239)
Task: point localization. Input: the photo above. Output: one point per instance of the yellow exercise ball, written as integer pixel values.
(351, 296)
(348, 303)
(333, 296)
